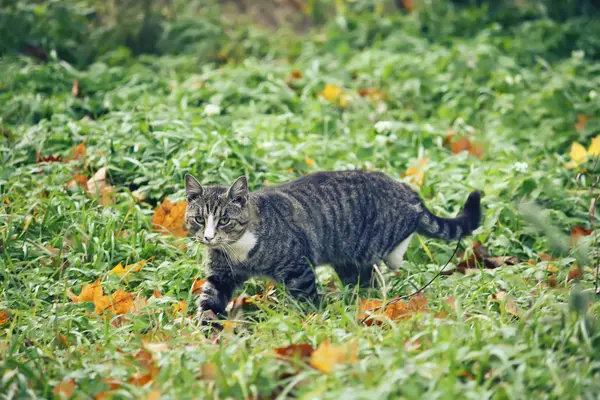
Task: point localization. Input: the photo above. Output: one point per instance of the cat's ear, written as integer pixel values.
(239, 190)
(193, 188)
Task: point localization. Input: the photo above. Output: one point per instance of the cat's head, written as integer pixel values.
(217, 215)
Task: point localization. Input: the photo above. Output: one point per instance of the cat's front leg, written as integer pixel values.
(218, 289)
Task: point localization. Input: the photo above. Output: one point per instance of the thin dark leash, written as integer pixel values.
(408, 296)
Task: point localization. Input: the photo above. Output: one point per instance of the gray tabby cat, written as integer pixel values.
(348, 219)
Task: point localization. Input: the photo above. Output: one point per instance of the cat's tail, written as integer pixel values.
(452, 228)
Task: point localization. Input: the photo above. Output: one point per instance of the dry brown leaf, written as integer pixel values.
(65, 389)
(298, 351)
(197, 285)
(482, 257)
(149, 368)
(47, 159)
(372, 94)
(209, 372)
(327, 356)
(577, 232)
(79, 180)
(458, 145)
(511, 306)
(98, 187)
(575, 273)
(409, 5)
(62, 339)
(3, 317)
(139, 303)
(79, 153)
(170, 218)
(582, 120)
(370, 309)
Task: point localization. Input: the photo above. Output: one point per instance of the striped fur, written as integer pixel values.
(348, 219)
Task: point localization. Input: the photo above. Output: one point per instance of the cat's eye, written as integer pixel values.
(199, 220)
(224, 221)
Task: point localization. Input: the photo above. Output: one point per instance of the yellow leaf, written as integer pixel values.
(179, 307)
(119, 270)
(309, 161)
(88, 293)
(578, 155)
(170, 218)
(594, 149)
(414, 173)
(122, 302)
(331, 92)
(327, 356)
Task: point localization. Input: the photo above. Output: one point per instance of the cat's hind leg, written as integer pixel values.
(299, 279)
(353, 274)
(396, 257)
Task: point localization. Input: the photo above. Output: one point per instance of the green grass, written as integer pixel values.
(144, 119)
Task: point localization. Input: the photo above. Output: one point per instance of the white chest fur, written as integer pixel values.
(395, 258)
(239, 250)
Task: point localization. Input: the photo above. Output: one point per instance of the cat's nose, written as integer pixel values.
(208, 239)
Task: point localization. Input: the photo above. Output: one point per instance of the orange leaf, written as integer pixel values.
(575, 273)
(65, 389)
(197, 285)
(582, 120)
(372, 94)
(3, 318)
(300, 351)
(79, 180)
(209, 372)
(309, 161)
(409, 5)
(170, 218)
(464, 144)
(79, 153)
(395, 311)
(149, 368)
(122, 302)
(88, 293)
(577, 232)
(327, 356)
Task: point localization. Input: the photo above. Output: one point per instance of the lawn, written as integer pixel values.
(97, 276)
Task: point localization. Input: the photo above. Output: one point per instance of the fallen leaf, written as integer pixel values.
(575, 273)
(119, 270)
(409, 5)
(48, 159)
(458, 145)
(411, 345)
(511, 306)
(579, 155)
(415, 173)
(62, 339)
(156, 294)
(89, 293)
(309, 162)
(139, 303)
(197, 285)
(97, 186)
(394, 309)
(79, 180)
(65, 389)
(577, 232)
(482, 257)
(121, 302)
(149, 369)
(209, 372)
(299, 351)
(3, 318)
(79, 153)
(179, 307)
(170, 218)
(582, 120)
(327, 356)
(75, 88)
(372, 94)
(334, 94)
(153, 395)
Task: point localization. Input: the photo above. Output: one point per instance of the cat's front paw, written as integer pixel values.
(206, 317)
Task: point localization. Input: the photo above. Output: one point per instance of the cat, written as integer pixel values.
(348, 219)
